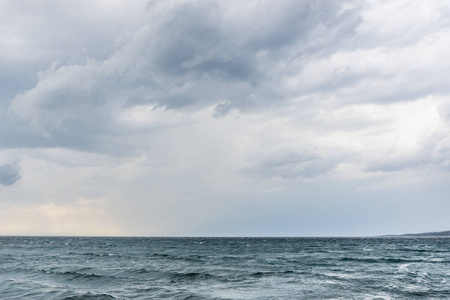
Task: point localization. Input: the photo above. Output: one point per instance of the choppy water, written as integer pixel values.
(224, 268)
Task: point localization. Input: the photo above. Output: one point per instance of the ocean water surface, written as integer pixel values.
(224, 268)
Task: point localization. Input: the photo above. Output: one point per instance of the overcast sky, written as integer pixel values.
(224, 118)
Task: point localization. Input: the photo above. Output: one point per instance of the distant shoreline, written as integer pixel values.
(423, 234)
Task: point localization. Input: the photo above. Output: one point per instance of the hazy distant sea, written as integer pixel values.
(224, 268)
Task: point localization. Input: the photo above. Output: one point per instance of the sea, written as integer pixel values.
(224, 268)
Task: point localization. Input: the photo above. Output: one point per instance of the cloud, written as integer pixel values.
(291, 164)
(415, 138)
(185, 114)
(10, 173)
(190, 56)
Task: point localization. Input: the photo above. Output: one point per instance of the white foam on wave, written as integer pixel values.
(403, 267)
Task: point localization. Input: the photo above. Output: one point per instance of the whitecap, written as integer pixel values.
(404, 267)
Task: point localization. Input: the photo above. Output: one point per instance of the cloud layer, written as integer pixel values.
(184, 115)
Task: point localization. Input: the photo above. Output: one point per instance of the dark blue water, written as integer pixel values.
(224, 268)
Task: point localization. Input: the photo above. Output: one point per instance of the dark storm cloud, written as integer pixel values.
(192, 55)
(9, 174)
(314, 27)
(249, 57)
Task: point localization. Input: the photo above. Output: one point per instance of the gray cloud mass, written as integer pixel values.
(290, 164)
(212, 117)
(9, 174)
(191, 55)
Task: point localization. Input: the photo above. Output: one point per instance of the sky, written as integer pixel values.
(224, 118)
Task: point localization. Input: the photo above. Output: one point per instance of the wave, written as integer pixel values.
(192, 257)
(260, 274)
(380, 260)
(89, 296)
(81, 276)
(190, 276)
